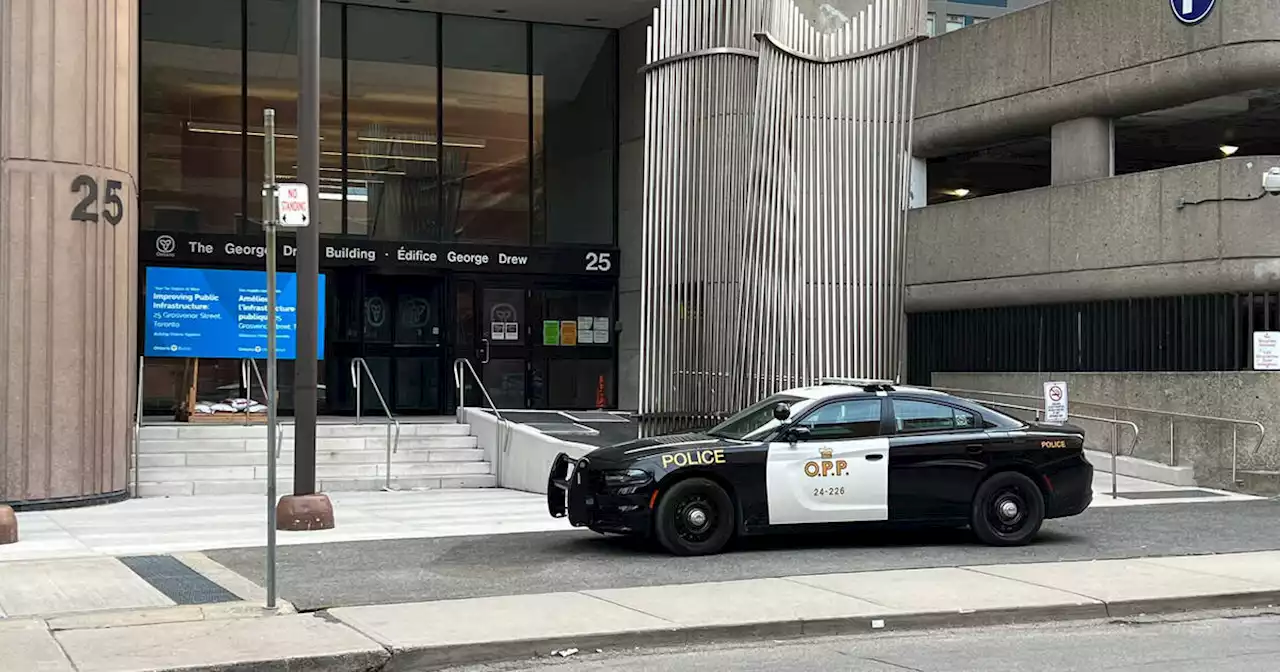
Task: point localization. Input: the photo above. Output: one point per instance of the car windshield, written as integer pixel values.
(755, 419)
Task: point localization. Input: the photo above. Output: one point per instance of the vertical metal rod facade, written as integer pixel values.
(777, 168)
(305, 374)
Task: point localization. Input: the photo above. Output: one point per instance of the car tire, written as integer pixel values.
(694, 517)
(1008, 510)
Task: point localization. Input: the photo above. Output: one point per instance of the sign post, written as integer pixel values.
(1055, 403)
(269, 223)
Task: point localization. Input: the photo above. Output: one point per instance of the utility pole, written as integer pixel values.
(307, 510)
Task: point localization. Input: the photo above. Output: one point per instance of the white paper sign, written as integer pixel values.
(293, 205)
(1266, 351)
(1055, 403)
(585, 334)
(498, 331)
(601, 328)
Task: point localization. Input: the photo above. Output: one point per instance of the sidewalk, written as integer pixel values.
(431, 634)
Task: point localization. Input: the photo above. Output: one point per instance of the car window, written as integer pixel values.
(853, 419)
(922, 416)
(751, 420)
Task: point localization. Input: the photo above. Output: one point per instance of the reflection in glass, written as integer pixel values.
(190, 122)
(574, 110)
(485, 161)
(272, 81)
(392, 165)
(504, 379)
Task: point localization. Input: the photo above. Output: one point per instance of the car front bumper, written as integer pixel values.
(578, 494)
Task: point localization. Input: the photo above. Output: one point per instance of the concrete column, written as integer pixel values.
(1083, 149)
(68, 246)
(632, 42)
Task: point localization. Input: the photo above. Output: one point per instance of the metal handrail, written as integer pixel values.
(137, 429)
(252, 364)
(393, 446)
(1173, 456)
(1115, 443)
(461, 366)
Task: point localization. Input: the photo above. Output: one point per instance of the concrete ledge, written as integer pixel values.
(1146, 470)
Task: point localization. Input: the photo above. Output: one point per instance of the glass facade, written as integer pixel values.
(480, 136)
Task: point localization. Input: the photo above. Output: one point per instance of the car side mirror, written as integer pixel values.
(795, 434)
(781, 412)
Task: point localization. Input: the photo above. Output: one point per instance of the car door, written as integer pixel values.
(836, 471)
(937, 452)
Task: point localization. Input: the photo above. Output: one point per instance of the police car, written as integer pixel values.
(840, 453)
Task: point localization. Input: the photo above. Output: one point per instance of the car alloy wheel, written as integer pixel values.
(1008, 510)
(694, 517)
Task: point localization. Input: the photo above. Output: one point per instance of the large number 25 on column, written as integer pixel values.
(112, 205)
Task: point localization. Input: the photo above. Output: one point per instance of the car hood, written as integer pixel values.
(657, 445)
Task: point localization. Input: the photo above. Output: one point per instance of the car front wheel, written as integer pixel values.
(694, 517)
(1008, 510)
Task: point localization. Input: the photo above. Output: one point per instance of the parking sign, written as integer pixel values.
(1191, 12)
(293, 205)
(1055, 403)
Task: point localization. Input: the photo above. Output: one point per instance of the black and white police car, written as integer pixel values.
(839, 453)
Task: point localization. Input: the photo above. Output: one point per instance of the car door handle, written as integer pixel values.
(974, 448)
(874, 457)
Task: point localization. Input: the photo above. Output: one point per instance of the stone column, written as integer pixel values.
(68, 247)
(1083, 149)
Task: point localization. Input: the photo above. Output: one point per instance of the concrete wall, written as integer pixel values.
(1026, 71)
(68, 107)
(1110, 238)
(521, 455)
(1206, 446)
(632, 49)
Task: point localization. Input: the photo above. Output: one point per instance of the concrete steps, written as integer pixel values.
(178, 459)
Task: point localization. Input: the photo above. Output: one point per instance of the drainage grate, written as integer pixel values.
(1169, 494)
(177, 581)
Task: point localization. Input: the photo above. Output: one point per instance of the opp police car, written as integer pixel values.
(839, 453)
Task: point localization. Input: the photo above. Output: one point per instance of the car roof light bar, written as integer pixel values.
(860, 382)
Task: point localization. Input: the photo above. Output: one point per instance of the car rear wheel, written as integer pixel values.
(694, 517)
(1008, 510)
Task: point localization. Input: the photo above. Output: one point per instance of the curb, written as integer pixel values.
(417, 659)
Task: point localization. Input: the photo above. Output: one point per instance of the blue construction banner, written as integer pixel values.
(219, 314)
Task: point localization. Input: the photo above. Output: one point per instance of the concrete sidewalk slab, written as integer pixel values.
(732, 603)
(1130, 586)
(79, 585)
(1263, 567)
(946, 589)
(28, 646)
(428, 633)
(298, 642)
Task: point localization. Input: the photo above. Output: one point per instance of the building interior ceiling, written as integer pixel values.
(1248, 122)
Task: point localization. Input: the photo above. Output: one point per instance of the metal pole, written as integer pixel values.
(1115, 447)
(1173, 452)
(269, 223)
(304, 381)
(1235, 433)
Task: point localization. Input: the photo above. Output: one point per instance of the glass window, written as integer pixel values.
(929, 25)
(272, 81)
(923, 416)
(574, 108)
(503, 317)
(190, 123)
(854, 419)
(755, 419)
(392, 166)
(485, 160)
(954, 22)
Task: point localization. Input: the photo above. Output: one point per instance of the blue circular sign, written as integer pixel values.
(1191, 12)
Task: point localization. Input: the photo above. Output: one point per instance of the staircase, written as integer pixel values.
(178, 459)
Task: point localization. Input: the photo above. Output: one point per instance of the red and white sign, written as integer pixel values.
(1266, 351)
(293, 205)
(1055, 403)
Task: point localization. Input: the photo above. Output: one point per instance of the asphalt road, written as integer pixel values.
(319, 576)
(1236, 644)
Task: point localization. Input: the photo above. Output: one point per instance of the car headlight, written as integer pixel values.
(627, 481)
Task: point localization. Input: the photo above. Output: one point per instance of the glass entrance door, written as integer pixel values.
(394, 323)
(538, 345)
